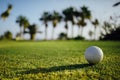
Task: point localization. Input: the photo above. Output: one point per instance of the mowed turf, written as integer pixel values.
(57, 60)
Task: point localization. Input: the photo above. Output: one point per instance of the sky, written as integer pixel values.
(33, 9)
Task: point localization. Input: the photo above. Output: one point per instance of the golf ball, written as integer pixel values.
(94, 54)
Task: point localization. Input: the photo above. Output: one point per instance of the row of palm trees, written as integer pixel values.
(55, 17)
(76, 17)
(70, 14)
(24, 24)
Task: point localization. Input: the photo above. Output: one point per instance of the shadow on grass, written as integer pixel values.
(55, 68)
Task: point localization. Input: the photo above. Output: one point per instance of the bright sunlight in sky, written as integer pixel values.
(32, 9)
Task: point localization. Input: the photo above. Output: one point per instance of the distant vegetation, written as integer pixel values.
(7, 35)
(113, 35)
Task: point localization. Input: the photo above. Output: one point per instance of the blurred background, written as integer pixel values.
(60, 19)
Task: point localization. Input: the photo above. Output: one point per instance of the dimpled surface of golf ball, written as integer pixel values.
(94, 54)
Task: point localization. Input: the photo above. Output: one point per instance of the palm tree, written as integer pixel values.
(55, 18)
(5, 14)
(83, 14)
(95, 23)
(79, 25)
(77, 14)
(66, 21)
(23, 23)
(69, 16)
(66, 27)
(116, 4)
(45, 18)
(32, 31)
(83, 24)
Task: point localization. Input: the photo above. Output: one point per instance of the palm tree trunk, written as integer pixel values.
(32, 36)
(95, 33)
(53, 33)
(91, 38)
(67, 32)
(45, 33)
(72, 32)
(66, 27)
(78, 30)
(81, 31)
(21, 33)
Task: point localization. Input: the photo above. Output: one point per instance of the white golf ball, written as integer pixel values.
(94, 54)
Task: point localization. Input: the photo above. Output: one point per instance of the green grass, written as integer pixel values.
(57, 60)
